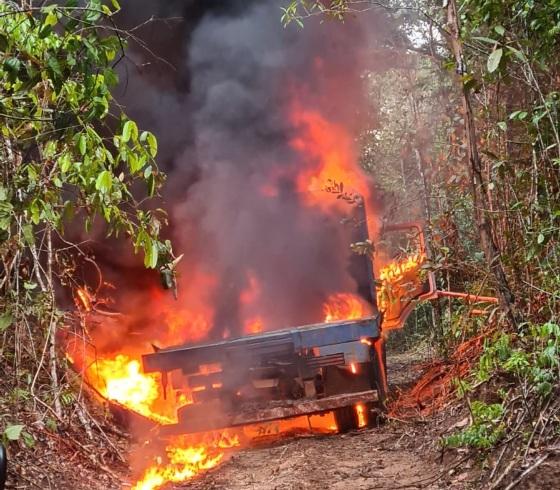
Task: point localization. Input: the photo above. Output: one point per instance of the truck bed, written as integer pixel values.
(188, 357)
(271, 375)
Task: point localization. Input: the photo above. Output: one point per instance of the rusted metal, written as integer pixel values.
(304, 407)
(469, 298)
(430, 291)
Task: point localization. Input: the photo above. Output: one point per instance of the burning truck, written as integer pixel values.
(337, 366)
(292, 328)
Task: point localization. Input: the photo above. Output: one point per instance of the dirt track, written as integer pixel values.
(362, 460)
(396, 455)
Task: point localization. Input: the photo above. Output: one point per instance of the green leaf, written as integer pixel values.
(540, 238)
(104, 181)
(111, 77)
(134, 163)
(500, 30)
(152, 185)
(82, 144)
(519, 115)
(150, 254)
(494, 60)
(51, 19)
(152, 144)
(13, 432)
(502, 125)
(28, 234)
(54, 65)
(486, 40)
(6, 319)
(130, 131)
(12, 65)
(518, 54)
(30, 286)
(64, 162)
(68, 211)
(28, 439)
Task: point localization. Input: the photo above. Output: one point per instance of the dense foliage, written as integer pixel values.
(69, 157)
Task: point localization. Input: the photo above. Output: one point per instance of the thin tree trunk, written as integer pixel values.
(52, 330)
(478, 187)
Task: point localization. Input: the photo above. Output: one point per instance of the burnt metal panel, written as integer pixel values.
(289, 408)
(250, 349)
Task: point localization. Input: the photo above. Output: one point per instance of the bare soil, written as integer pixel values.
(362, 460)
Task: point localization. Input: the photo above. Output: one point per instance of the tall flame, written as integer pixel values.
(120, 379)
(329, 164)
(331, 152)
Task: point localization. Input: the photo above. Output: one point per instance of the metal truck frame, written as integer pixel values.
(304, 370)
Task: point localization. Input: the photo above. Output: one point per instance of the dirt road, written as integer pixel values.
(362, 460)
(396, 455)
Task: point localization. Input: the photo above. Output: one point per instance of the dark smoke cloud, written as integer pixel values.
(222, 117)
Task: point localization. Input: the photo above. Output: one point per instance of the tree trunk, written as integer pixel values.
(478, 186)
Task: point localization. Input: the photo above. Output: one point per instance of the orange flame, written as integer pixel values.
(398, 278)
(361, 413)
(254, 326)
(345, 306)
(331, 164)
(332, 150)
(120, 379)
(186, 459)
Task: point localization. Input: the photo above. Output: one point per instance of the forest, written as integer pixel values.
(174, 173)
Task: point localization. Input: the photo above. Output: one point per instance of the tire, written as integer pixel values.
(3, 466)
(346, 419)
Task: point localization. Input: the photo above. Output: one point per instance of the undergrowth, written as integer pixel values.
(512, 396)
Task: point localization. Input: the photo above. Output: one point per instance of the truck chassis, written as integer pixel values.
(274, 375)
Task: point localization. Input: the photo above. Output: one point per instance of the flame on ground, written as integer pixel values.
(186, 459)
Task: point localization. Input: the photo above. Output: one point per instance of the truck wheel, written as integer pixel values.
(3, 466)
(346, 419)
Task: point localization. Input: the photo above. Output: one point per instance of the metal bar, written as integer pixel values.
(469, 298)
(304, 407)
(295, 408)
